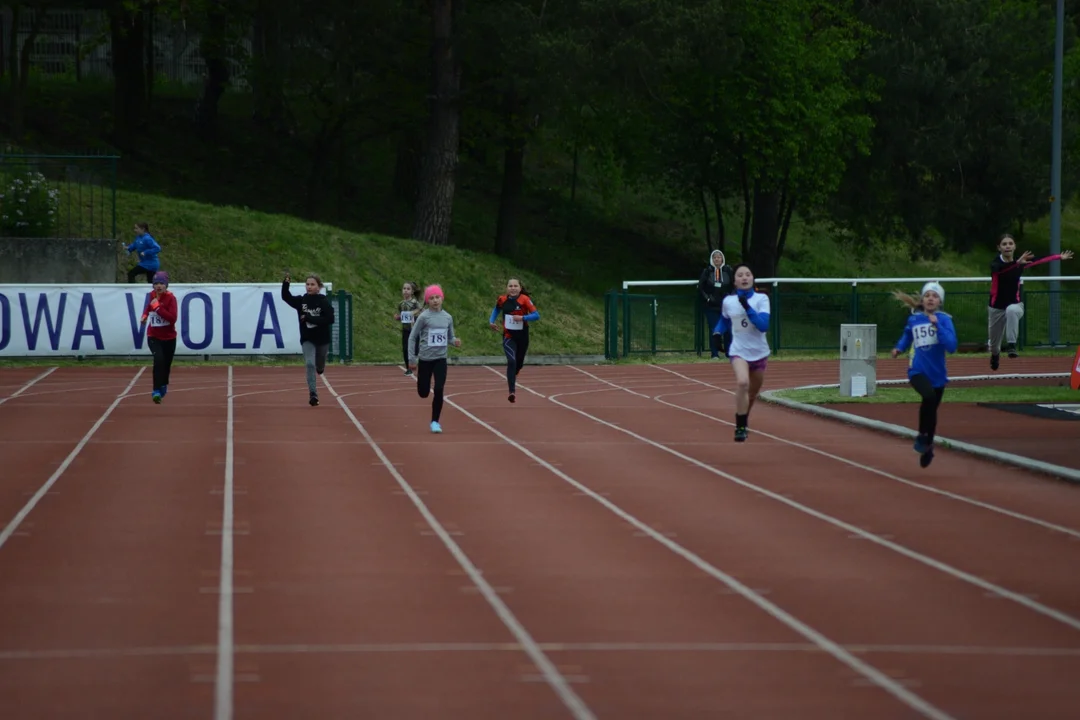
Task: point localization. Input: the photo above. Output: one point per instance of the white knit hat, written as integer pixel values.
(936, 287)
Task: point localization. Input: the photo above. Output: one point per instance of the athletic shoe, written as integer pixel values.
(164, 389)
(740, 434)
(1011, 349)
(923, 444)
(408, 371)
(995, 361)
(926, 458)
(313, 400)
(512, 398)
(157, 396)
(436, 427)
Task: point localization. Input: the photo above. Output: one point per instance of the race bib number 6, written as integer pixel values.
(924, 335)
(436, 337)
(513, 322)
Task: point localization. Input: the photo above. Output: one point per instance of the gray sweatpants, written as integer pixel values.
(1005, 322)
(315, 362)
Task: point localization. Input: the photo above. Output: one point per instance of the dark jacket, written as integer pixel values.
(316, 315)
(714, 291)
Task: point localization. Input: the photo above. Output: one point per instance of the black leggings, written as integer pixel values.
(931, 399)
(163, 351)
(425, 369)
(515, 348)
(140, 270)
(405, 330)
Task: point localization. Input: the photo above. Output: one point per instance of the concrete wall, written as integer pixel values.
(57, 260)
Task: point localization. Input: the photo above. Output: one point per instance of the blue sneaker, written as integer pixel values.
(923, 444)
(157, 396)
(436, 427)
(164, 389)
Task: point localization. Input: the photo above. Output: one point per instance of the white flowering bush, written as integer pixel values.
(28, 206)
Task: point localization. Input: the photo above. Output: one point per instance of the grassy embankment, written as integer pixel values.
(229, 212)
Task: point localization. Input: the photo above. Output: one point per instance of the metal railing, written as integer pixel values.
(806, 313)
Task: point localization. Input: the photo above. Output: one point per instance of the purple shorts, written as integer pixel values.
(755, 365)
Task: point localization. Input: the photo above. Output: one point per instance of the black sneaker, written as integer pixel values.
(740, 434)
(313, 400)
(995, 361)
(512, 398)
(926, 458)
(1011, 349)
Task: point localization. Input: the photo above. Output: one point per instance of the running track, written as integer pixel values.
(601, 549)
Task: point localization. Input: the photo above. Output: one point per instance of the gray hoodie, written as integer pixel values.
(435, 331)
(712, 291)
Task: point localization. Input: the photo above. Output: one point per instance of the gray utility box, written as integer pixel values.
(858, 360)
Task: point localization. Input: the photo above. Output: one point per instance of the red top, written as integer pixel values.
(161, 315)
(519, 307)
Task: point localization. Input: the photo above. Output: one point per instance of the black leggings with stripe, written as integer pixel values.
(515, 348)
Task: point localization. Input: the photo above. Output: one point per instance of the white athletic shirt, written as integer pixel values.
(747, 341)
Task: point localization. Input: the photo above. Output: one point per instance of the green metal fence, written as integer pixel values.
(808, 315)
(58, 196)
(341, 336)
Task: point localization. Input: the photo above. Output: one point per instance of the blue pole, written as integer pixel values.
(1055, 177)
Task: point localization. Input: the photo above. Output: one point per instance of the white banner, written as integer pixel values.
(73, 320)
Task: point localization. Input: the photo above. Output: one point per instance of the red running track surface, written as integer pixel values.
(600, 549)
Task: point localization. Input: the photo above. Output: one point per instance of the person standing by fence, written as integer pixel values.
(1006, 309)
(717, 282)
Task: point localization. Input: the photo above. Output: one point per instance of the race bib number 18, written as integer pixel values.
(924, 335)
(406, 317)
(156, 320)
(436, 337)
(513, 322)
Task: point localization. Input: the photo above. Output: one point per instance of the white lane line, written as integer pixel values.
(28, 385)
(990, 587)
(550, 673)
(223, 687)
(911, 483)
(976, 651)
(521, 387)
(12, 526)
(775, 611)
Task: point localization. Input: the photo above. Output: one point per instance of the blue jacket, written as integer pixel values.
(931, 344)
(146, 243)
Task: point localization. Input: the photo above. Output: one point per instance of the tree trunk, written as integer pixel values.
(766, 228)
(128, 30)
(214, 50)
(721, 235)
(513, 178)
(438, 168)
(407, 164)
(268, 93)
(705, 214)
(19, 64)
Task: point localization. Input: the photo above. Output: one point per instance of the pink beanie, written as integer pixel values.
(432, 290)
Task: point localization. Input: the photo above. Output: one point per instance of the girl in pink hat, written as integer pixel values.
(431, 335)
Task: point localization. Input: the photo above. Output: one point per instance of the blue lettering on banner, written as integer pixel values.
(5, 321)
(267, 308)
(42, 308)
(138, 334)
(185, 315)
(226, 323)
(87, 308)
